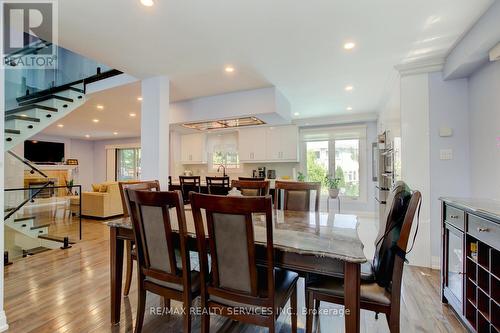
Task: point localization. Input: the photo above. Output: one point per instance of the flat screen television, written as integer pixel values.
(42, 152)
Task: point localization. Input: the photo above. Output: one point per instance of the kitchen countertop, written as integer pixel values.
(488, 208)
(204, 183)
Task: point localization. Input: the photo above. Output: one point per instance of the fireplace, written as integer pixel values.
(48, 192)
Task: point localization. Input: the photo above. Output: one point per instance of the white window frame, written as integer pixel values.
(331, 134)
(224, 139)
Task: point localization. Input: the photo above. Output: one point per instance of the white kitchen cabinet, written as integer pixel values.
(282, 144)
(252, 144)
(194, 148)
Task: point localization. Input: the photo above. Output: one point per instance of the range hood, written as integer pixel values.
(224, 123)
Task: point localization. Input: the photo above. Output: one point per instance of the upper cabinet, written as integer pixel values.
(282, 144)
(193, 148)
(268, 144)
(252, 144)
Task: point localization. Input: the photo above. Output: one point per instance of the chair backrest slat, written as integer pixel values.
(151, 219)
(296, 195)
(218, 185)
(231, 245)
(252, 187)
(146, 185)
(189, 184)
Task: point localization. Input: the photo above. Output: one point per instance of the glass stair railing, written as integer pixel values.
(39, 214)
(36, 98)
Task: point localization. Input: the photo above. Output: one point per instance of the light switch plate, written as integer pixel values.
(445, 131)
(446, 154)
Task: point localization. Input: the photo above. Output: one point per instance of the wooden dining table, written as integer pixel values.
(305, 242)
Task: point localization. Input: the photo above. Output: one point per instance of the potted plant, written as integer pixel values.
(333, 186)
(301, 177)
(69, 186)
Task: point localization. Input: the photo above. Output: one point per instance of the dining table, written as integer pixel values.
(319, 243)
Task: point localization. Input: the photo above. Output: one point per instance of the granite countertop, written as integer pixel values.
(489, 208)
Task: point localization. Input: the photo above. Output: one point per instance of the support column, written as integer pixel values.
(155, 129)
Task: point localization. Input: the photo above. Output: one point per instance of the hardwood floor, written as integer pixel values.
(68, 291)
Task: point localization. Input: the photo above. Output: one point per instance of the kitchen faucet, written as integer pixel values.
(223, 169)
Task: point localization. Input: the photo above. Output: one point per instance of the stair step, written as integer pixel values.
(39, 226)
(24, 218)
(76, 89)
(16, 117)
(45, 98)
(12, 131)
(30, 107)
(35, 250)
(55, 238)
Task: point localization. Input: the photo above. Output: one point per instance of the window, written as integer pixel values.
(224, 150)
(128, 164)
(339, 152)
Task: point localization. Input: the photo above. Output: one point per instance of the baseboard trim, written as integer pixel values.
(3, 322)
(436, 262)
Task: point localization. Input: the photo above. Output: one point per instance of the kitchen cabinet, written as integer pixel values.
(252, 144)
(282, 144)
(268, 144)
(470, 269)
(193, 148)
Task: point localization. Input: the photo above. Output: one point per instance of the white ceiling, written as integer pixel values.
(118, 103)
(294, 45)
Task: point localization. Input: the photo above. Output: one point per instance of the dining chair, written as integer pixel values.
(252, 178)
(189, 184)
(383, 294)
(218, 185)
(160, 270)
(296, 195)
(236, 287)
(250, 188)
(130, 255)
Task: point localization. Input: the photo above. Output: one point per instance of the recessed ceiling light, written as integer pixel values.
(296, 114)
(132, 114)
(229, 69)
(349, 45)
(139, 98)
(87, 136)
(60, 125)
(95, 120)
(100, 107)
(349, 108)
(349, 88)
(147, 3)
(115, 133)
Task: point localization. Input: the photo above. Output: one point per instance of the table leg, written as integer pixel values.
(352, 278)
(116, 268)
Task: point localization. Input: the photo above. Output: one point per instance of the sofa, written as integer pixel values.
(104, 201)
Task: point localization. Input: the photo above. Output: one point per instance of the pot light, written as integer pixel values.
(132, 114)
(349, 88)
(349, 108)
(87, 136)
(349, 45)
(115, 133)
(100, 107)
(229, 69)
(95, 120)
(147, 3)
(139, 98)
(60, 125)
(296, 114)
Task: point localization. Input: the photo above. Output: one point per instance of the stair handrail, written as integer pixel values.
(30, 198)
(28, 163)
(28, 49)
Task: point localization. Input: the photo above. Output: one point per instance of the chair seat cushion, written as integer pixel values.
(284, 282)
(195, 283)
(369, 291)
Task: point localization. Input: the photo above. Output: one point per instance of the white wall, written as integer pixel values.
(448, 107)
(484, 119)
